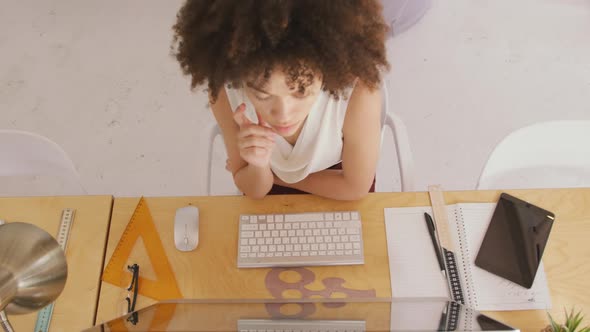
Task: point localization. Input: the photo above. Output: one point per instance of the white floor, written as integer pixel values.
(97, 78)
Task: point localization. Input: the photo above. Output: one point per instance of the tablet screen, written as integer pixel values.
(514, 242)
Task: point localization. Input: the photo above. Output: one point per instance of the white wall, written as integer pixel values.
(97, 77)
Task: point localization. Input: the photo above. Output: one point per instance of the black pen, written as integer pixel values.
(437, 247)
(442, 322)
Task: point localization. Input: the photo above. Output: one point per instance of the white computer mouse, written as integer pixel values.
(186, 228)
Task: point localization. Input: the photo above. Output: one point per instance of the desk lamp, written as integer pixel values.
(33, 270)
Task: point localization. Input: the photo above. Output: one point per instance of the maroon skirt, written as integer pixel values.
(280, 190)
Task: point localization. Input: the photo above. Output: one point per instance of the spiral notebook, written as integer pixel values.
(414, 270)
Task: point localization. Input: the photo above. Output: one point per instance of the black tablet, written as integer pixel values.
(514, 242)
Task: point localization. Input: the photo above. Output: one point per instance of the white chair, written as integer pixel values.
(552, 154)
(402, 14)
(401, 142)
(31, 165)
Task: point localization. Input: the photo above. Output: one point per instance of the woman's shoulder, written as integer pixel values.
(363, 94)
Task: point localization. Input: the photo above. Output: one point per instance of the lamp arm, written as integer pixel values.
(4, 323)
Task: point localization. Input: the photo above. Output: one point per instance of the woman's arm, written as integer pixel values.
(362, 134)
(253, 180)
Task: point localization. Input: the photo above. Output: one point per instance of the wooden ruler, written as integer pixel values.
(63, 233)
(441, 219)
(142, 226)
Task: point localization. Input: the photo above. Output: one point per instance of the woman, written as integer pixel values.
(294, 87)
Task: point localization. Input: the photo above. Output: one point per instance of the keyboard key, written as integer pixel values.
(352, 231)
(250, 227)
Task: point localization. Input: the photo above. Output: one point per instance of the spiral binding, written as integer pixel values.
(453, 316)
(453, 276)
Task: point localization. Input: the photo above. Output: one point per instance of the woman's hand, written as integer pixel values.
(255, 141)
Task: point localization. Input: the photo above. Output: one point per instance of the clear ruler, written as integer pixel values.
(452, 271)
(67, 218)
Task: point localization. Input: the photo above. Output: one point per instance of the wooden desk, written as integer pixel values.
(75, 308)
(210, 271)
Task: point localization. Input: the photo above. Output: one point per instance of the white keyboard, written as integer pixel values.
(300, 239)
(293, 325)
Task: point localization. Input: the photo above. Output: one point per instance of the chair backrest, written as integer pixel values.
(401, 141)
(389, 120)
(27, 157)
(552, 154)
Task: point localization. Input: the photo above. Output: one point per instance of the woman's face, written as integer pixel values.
(284, 108)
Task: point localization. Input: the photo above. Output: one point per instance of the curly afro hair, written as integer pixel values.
(229, 42)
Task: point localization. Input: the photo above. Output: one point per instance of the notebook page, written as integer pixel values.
(493, 292)
(413, 267)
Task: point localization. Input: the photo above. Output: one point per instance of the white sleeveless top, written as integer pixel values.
(319, 144)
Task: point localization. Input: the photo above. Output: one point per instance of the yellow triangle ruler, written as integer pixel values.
(141, 226)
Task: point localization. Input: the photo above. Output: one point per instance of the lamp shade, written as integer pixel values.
(33, 268)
